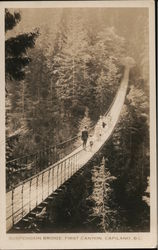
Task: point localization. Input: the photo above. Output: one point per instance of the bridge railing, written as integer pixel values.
(25, 197)
(20, 169)
(17, 170)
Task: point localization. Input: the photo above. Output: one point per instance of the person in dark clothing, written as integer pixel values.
(84, 137)
(103, 124)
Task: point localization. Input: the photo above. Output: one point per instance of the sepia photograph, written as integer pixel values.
(79, 158)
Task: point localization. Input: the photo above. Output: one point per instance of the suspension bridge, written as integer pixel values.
(41, 186)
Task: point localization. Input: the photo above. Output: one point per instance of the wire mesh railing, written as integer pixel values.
(31, 192)
(17, 170)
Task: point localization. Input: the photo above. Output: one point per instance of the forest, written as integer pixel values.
(50, 94)
(64, 75)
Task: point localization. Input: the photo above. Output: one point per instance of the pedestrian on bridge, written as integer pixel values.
(84, 137)
(103, 124)
(91, 143)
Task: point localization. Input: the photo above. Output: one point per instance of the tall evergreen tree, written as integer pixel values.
(16, 47)
(16, 59)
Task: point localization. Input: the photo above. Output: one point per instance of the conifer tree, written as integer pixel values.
(16, 59)
(16, 47)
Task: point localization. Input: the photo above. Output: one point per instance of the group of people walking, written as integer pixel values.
(98, 132)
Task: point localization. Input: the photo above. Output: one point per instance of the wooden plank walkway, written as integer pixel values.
(31, 192)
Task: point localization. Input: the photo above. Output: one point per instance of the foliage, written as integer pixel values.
(130, 146)
(16, 48)
(76, 72)
(11, 20)
(16, 60)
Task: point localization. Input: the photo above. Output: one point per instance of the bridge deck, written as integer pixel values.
(30, 193)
